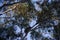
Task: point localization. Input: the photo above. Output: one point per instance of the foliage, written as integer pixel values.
(23, 13)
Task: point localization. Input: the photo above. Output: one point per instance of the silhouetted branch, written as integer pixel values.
(33, 28)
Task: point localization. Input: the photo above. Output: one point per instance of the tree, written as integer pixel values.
(23, 12)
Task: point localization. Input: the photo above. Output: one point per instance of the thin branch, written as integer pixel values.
(33, 27)
(8, 4)
(9, 10)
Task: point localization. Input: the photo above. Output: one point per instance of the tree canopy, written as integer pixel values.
(16, 18)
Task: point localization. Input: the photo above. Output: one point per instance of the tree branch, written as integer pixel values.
(33, 27)
(8, 4)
